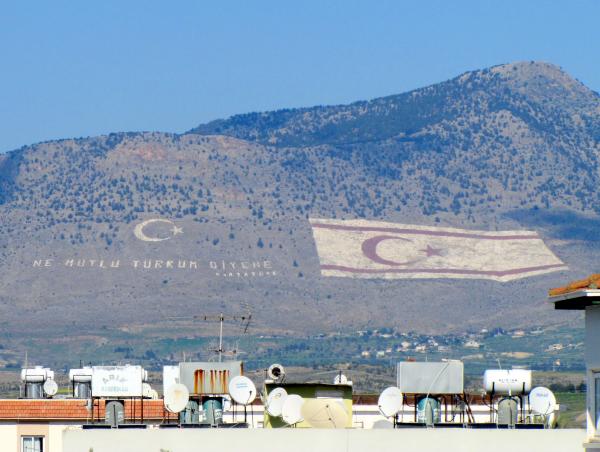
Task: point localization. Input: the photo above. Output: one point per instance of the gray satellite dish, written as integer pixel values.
(176, 398)
(242, 390)
(390, 401)
(291, 411)
(382, 424)
(275, 401)
(276, 372)
(324, 413)
(340, 379)
(114, 413)
(50, 388)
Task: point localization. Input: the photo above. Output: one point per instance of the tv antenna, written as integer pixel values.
(244, 320)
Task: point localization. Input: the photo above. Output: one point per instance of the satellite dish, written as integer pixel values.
(176, 398)
(382, 424)
(114, 413)
(154, 394)
(242, 390)
(275, 401)
(324, 413)
(340, 379)
(390, 401)
(542, 401)
(146, 390)
(50, 387)
(291, 411)
(276, 372)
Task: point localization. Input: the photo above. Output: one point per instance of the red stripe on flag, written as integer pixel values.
(435, 271)
(466, 235)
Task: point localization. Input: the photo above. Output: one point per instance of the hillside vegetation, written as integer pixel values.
(512, 146)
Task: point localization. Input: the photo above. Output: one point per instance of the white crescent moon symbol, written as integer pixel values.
(139, 230)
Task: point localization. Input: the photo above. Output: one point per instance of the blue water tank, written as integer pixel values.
(213, 410)
(191, 414)
(429, 411)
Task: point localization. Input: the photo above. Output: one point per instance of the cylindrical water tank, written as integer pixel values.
(213, 410)
(38, 374)
(34, 390)
(507, 382)
(429, 411)
(80, 375)
(83, 390)
(508, 411)
(191, 413)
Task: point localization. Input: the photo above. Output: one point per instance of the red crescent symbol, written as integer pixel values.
(369, 249)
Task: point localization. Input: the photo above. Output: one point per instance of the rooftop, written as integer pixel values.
(577, 294)
(75, 409)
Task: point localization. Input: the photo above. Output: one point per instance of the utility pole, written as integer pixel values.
(221, 337)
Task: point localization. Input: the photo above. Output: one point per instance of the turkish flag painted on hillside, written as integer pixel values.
(374, 249)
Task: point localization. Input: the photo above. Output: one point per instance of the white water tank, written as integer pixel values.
(507, 382)
(34, 379)
(82, 375)
(38, 374)
(81, 380)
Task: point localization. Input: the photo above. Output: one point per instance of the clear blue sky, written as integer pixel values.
(72, 69)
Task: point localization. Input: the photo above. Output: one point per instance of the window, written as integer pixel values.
(32, 444)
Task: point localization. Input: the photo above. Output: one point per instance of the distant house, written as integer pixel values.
(365, 354)
(518, 333)
(471, 344)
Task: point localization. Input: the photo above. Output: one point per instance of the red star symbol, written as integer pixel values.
(430, 251)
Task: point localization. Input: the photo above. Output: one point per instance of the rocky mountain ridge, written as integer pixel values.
(511, 147)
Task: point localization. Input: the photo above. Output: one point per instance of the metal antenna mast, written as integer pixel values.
(221, 318)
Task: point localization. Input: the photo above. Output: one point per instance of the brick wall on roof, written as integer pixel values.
(75, 409)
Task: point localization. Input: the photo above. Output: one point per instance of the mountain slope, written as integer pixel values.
(540, 94)
(513, 146)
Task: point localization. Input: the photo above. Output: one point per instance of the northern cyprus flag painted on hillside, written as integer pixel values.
(374, 249)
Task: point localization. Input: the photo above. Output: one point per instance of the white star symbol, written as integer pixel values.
(175, 230)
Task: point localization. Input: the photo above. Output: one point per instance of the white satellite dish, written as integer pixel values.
(275, 401)
(242, 390)
(340, 379)
(390, 401)
(154, 394)
(291, 411)
(542, 401)
(176, 398)
(146, 391)
(324, 413)
(50, 387)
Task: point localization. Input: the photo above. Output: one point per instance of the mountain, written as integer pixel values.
(515, 146)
